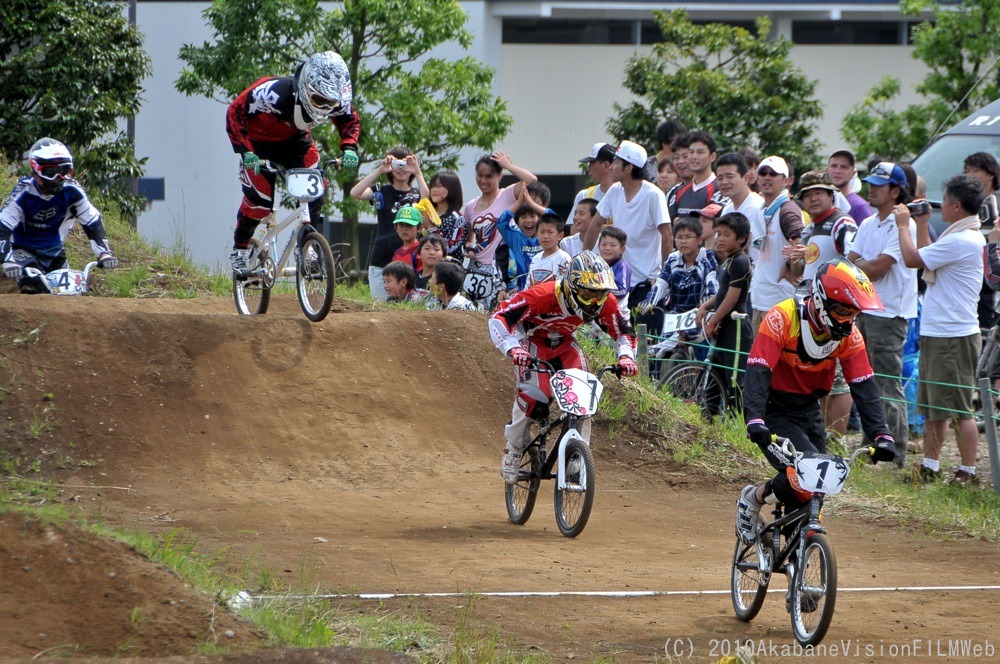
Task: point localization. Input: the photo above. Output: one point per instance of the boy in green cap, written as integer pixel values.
(407, 225)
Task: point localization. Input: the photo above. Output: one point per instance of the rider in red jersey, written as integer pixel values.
(271, 120)
(539, 323)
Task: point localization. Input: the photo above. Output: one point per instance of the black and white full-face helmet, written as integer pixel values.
(323, 86)
(51, 165)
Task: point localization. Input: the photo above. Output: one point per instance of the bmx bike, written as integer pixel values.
(306, 256)
(795, 543)
(571, 465)
(64, 281)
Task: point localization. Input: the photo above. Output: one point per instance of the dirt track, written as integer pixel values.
(380, 434)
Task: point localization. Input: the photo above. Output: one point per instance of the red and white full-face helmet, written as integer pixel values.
(51, 165)
(840, 291)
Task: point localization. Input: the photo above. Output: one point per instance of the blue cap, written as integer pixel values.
(886, 173)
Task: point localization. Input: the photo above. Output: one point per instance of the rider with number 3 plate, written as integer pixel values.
(39, 213)
(271, 120)
(792, 365)
(539, 323)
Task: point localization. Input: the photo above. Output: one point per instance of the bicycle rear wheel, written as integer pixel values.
(814, 591)
(315, 276)
(749, 583)
(574, 501)
(253, 294)
(520, 497)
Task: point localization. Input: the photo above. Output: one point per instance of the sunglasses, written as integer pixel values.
(591, 297)
(767, 174)
(842, 313)
(55, 171)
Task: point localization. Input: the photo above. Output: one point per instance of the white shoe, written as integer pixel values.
(312, 260)
(573, 467)
(510, 464)
(238, 261)
(748, 520)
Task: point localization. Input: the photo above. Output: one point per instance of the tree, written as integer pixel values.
(740, 87)
(960, 46)
(433, 106)
(71, 69)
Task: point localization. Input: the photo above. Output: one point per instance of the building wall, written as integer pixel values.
(562, 96)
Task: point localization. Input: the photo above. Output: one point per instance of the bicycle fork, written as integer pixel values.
(572, 433)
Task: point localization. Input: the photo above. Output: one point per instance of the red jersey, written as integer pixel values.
(540, 313)
(265, 113)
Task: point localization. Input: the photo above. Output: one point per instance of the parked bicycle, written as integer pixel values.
(578, 393)
(702, 382)
(795, 543)
(677, 335)
(306, 256)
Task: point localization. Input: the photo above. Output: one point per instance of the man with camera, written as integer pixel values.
(950, 340)
(876, 251)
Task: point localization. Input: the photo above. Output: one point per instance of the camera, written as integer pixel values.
(398, 164)
(918, 208)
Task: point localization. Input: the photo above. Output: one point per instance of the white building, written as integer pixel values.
(559, 67)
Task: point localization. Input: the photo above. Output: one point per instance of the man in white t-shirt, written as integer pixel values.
(639, 208)
(732, 172)
(876, 251)
(949, 326)
(598, 162)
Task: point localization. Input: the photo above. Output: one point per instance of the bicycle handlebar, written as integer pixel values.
(543, 366)
(788, 449)
(271, 167)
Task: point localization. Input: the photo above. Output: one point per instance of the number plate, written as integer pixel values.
(676, 322)
(480, 286)
(304, 184)
(822, 473)
(576, 391)
(66, 282)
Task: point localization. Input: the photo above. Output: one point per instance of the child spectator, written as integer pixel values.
(446, 200)
(707, 217)
(583, 216)
(408, 221)
(521, 241)
(447, 286)
(732, 232)
(431, 251)
(399, 281)
(551, 263)
(611, 245)
(401, 169)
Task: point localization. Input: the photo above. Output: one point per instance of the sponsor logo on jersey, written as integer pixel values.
(264, 98)
(44, 215)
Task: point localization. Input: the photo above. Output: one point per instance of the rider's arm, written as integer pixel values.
(611, 320)
(765, 354)
(90, 219)
(861, 380)
(505, 323)
(238, 123)
(349, 127)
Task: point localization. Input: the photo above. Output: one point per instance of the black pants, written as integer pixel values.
(801, 421)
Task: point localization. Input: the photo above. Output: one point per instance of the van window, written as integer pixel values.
(943, 159)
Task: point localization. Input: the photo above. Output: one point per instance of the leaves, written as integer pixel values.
(960, 47)
(74, 84)
(433, 106)
(739, 86)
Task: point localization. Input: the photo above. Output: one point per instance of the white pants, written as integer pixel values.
(375, 283)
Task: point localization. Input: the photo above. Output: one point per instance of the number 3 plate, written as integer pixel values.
(304, 184)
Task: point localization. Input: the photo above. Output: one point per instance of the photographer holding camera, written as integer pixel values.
(950, 340)
(400, 168)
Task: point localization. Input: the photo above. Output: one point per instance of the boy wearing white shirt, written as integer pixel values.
(552, 262)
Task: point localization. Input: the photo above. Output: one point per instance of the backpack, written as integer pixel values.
(991, 264)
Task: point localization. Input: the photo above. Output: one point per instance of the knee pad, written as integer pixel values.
(532, 401)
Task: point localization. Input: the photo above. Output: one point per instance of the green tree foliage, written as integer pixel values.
(431, 105)
(960, 46)
(740, 87)
(72, 69)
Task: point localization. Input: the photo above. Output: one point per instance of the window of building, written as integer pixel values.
(852, 32)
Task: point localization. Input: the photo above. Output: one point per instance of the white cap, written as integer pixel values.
(776, 164)
(632, 153)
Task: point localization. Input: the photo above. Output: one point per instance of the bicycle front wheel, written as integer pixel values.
(574, 501)
(315, 277)
(253, 294)
(520, 497)
(814, 591)
(696, 383)
(749, 582)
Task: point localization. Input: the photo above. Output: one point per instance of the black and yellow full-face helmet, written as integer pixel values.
(587, 284)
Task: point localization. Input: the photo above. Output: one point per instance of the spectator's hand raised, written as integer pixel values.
(501, 158)
(902, 215)
(412, 165)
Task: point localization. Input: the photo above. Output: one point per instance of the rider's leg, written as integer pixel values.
(532, 398)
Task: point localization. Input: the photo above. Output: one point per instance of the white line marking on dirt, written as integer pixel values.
(600, 593)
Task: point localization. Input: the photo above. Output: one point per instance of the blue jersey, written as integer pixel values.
(34, 222)
(683, 287)
(522, 247)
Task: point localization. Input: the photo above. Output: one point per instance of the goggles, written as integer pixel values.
(323, 103)
(54, 171)
(591, 298)
(842, 313)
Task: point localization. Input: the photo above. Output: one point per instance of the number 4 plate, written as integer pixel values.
(822, 473)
